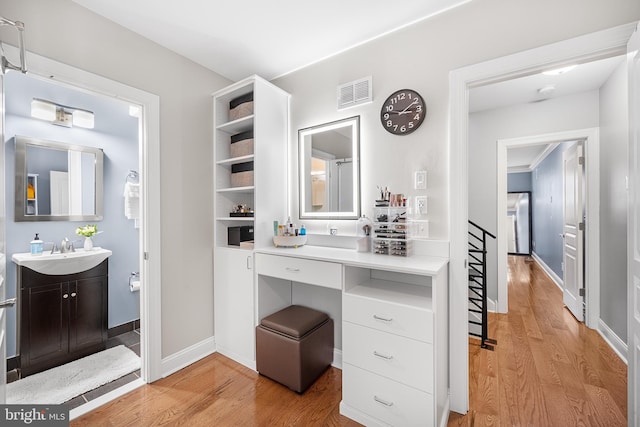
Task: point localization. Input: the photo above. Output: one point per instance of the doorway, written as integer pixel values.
(149, 232)
(581, 49)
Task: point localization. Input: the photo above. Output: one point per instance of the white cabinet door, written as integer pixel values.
(233, 304)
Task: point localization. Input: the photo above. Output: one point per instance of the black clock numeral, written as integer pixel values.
(389, 123)
(395, 127)
(419, 108)
(416, 117)
(410, 125)
(403, 128)
(386, 116)
(389, 108)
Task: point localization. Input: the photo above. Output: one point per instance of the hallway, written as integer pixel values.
(547, 369)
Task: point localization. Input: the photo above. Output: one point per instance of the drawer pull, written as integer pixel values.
(73, 294)
(384, 319)
(382, 356)
(293, 270)
(65, 296)
(384, 402)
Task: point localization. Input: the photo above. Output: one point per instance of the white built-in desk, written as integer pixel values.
(391, 317)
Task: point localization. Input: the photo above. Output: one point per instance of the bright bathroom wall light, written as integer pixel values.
(83, 118)
(43, 110)
(61, 115)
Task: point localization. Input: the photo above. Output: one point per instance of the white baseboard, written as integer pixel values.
(554, 277)
(104, 399)
(614, 341)
(337, 359)
(186, 357)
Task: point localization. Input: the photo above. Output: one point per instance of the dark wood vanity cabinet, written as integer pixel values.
(61, 318)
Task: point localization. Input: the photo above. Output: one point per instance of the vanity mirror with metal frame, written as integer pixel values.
(329, 170)
(55, 181)
(519, 223)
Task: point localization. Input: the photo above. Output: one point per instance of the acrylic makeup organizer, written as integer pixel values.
(392, 232)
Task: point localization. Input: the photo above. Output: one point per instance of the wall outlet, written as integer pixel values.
(420, 180)
(421, 229)
(421, 205)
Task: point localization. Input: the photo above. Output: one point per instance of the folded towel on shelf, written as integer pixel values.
(132, 201)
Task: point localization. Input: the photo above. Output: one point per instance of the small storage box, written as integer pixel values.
(241, 106)
(242, 174)
(294, 346)
(242, 144)
(237, 235)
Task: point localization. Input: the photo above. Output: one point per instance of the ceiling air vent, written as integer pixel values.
(354, 93)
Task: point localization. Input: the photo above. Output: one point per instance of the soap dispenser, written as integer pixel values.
(36, 245)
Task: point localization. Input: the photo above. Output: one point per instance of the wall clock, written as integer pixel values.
(403, 112)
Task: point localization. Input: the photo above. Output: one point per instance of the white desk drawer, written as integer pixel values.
(401, 359)
(391, 402)
(410, 322)
(319, 273)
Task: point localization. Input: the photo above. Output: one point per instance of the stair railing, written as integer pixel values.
(477, 264)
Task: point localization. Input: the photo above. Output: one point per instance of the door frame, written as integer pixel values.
(584, 48)
(591, 137)
(149, 166)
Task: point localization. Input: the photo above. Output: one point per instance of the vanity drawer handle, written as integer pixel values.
(384, 319)
(382, 356)
(384, 402)
(73, 294)
(65, 296)
(291, 269)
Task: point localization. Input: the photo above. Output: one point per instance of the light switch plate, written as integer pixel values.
(421, 229)
(420, 181)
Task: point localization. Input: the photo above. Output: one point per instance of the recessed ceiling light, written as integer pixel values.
(558, 71)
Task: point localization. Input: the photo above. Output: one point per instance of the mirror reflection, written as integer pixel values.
(329, 170)
(519, 225)
(57, 181)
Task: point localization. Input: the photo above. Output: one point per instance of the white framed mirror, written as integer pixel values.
(55, 181)
(329, 170)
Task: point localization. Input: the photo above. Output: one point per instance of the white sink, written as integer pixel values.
(62, 263)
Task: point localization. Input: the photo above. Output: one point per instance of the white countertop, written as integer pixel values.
(415, 264)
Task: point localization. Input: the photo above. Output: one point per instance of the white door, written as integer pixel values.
(573, 231)
(59, 192)
(3, 265)
(633, 248)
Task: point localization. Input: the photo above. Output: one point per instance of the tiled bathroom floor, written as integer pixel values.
(129, 339)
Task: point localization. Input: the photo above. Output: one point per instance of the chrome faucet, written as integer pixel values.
(65, 246)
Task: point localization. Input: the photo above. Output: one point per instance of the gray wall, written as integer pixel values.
(519, 181)
(63, 31)
(614, 144)
(547, 209)
(116, 132)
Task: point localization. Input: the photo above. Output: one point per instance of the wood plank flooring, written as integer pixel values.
(217, 391)
(547, 369)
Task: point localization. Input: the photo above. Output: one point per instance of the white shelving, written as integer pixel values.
(265, 196)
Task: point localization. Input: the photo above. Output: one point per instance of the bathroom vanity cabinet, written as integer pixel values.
(61, 317)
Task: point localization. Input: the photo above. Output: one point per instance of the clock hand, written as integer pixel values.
(407, 107)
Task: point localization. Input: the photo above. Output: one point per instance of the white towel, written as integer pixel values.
(132, 201)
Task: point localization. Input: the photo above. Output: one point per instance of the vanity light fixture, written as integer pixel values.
(558, 71)
(61, 115)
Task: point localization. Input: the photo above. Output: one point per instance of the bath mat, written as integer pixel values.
(65, 382)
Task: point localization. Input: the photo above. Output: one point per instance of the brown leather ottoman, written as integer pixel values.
(294, 346)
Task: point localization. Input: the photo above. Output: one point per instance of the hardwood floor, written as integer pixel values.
(217, 391)
(547, 369)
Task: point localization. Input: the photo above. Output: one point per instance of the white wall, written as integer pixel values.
(614, 167)
(68, 33)
(420, 57)
(485, 128)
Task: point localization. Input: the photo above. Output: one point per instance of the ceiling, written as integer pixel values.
(583, 78)
(244, 37)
